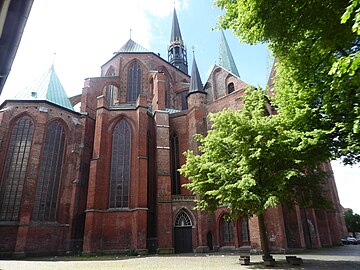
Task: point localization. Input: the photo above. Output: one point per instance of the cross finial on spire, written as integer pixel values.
(193, 50)
(130, 32)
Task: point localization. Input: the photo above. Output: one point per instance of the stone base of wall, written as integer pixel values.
(165, 251)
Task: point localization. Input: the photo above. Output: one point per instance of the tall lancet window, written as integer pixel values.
(227, 227)
(47, 191)
(134, 81)
(167, 91)
(17, 158)
(120, 166)
(175, 164)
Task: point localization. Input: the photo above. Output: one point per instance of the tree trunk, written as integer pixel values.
(263, 237)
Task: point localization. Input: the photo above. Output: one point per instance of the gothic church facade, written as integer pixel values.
(105, 179)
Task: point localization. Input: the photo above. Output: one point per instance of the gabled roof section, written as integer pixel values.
(48, 88)
(132, 46)
(175, 30)
(195, 81)
(226, 59)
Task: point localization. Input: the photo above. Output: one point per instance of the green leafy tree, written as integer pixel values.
(250, 162)
(352, 221)
(316, 44)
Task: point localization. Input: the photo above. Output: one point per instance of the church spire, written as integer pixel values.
(226, 59)
(195, 82)
(177, 51)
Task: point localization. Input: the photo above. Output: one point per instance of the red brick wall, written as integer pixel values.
(33, 237)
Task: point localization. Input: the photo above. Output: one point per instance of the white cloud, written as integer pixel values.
(84, 34)
(348, 185)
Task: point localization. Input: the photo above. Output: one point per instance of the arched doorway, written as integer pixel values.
(183, 233)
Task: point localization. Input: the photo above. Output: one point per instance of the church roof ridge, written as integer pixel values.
(132, 46)
(226, 59)
(49, 88)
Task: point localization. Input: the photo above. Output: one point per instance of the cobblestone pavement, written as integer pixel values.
(345, 257)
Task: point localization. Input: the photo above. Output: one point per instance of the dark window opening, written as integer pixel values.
(47, 191)
(231, 88)
(120, 166)
(184, 103)
(228, 231)
(175, 164)
(17, 158)
(134, 82)
(245, 230)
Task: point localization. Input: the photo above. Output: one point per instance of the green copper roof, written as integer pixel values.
(226, 59)
(132, 46)
(48, 88)
(195, 82)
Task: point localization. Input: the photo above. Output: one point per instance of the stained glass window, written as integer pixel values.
(17, 158)
(134, 81)
(47, 191)
(228, 231)
(120, 166)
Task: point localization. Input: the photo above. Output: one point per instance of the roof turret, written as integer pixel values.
(226, 59)
(195, 82)
(48, 88)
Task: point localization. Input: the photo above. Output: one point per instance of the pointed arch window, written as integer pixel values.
(47, 190)
(230, 88)
(245, 230)
(134, 81)
(120, 166)
(112, 95)
(182, 220)
(175, 164)
(167, 91)
(227, 227)
(16, 162)
(183, 100)
(110, 72)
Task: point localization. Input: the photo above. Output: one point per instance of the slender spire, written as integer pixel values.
(195, 82)
(48, 88)
(226, 59)
(177, 55)
(175, 30)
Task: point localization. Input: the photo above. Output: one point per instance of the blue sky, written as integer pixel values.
(85, 33)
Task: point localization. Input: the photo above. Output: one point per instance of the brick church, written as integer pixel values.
(105, 179)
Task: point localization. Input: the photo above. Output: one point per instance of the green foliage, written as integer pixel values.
(352, 221)
(132, 252)
(250, 162)
(316, 44)
(350, 63)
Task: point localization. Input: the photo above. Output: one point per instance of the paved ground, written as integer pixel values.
(345, 257)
